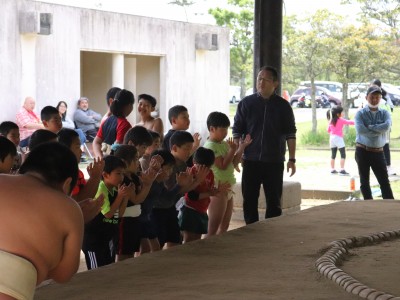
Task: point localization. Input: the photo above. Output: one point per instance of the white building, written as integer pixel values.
(55, 52)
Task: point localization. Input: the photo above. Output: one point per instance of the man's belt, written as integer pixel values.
(370, 149)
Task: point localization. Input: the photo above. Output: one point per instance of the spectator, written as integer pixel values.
(28, 122)
(87, 119)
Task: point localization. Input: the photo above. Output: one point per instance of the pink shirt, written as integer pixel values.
(23, 118)
(338, 128)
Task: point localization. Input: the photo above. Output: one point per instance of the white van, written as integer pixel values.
(335, 88)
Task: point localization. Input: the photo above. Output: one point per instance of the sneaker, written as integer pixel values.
(334, 172)
(390, 171)
(343, 173)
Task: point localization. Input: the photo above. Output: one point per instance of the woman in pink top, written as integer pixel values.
(335, 129)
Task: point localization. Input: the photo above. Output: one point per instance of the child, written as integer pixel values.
(193, 220)
(145, 159)
(83, 190)
(41, 136)
(33, 251)
(51, 119)
(8, 151)
(227, 156)
(10, 130)
(179, 118)
(139, 137)
(129, 230)
(99, 243)
(335, 129)
(147, 104)
(113, 130)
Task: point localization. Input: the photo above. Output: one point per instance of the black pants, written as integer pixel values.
(99, 255)
(270, 175)
(376, 161)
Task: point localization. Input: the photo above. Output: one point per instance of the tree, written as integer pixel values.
(184, 4)
(241, 24)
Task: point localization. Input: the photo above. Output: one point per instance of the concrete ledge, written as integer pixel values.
(291, 196)
(325, 194)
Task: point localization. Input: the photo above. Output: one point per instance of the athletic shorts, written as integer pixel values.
(167, 225)
(148, 228)
(129, 236)
(193, 221)
(336, 141)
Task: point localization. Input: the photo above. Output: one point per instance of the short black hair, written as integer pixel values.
(111, 94)
(138, 135)
(54, 162)
(6, 127)
(122, 98)
(272, 71)
(154, 134)
(48, 112)
(175, 111)
(112, 162)
(126, 152)
(218, 119)
(41, 136)
(6, 147)
(204, 156)
(66, 136)
(168, 158)
(148, 98)
(180, 138)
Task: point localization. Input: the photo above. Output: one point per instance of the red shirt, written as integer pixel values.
(80, 183)
(113, 130)
(200, 205)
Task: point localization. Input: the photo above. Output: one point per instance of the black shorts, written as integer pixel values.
(129, 236)
(167, 225)
(148, 228)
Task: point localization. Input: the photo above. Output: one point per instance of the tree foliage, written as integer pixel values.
(240, 21)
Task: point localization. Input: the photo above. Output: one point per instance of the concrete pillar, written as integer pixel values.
(28, 62)
(130, 83)
(118, 70)
(268, 35)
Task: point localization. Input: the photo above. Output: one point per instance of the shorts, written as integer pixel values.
(193, 221)
(167, 225)
(336, 141)
(148, 228)
(129, 236)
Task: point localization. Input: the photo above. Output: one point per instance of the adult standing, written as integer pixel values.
(269, 120)
(27, 121)
(87, 119)
(372, 124)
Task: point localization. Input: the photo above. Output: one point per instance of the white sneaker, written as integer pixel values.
(390, 171)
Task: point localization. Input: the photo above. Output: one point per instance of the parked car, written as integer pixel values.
(335, 88)
(303, 90)
(392, 92)
(234, 94)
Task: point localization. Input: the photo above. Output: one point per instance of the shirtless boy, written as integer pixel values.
(43, 236)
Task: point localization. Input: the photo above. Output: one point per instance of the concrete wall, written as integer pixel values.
(77, 58)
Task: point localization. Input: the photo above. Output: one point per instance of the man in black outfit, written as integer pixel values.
(269, 120)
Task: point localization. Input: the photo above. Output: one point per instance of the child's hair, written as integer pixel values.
(41, 136)
(175, 111)
(127, 153)
(154, 134)
(180, 138)
(111, 163)
(138, 135)
(6, 127)
(111, 94)
(66, 136)
(6, 147)
(48, 112)
(65, 113)
(204, 156)
(333, 113)
(168, 158)
(148, 98)
(218, 119)
(54, 162)
(121, 99)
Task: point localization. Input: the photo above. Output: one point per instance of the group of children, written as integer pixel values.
(151, 191)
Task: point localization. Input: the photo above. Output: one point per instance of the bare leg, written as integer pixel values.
(144, 246)
(190, 236)
(332, 164)
(170, 245)
(226, 219)
(342, 160)
(154, 245)
(216, 212)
